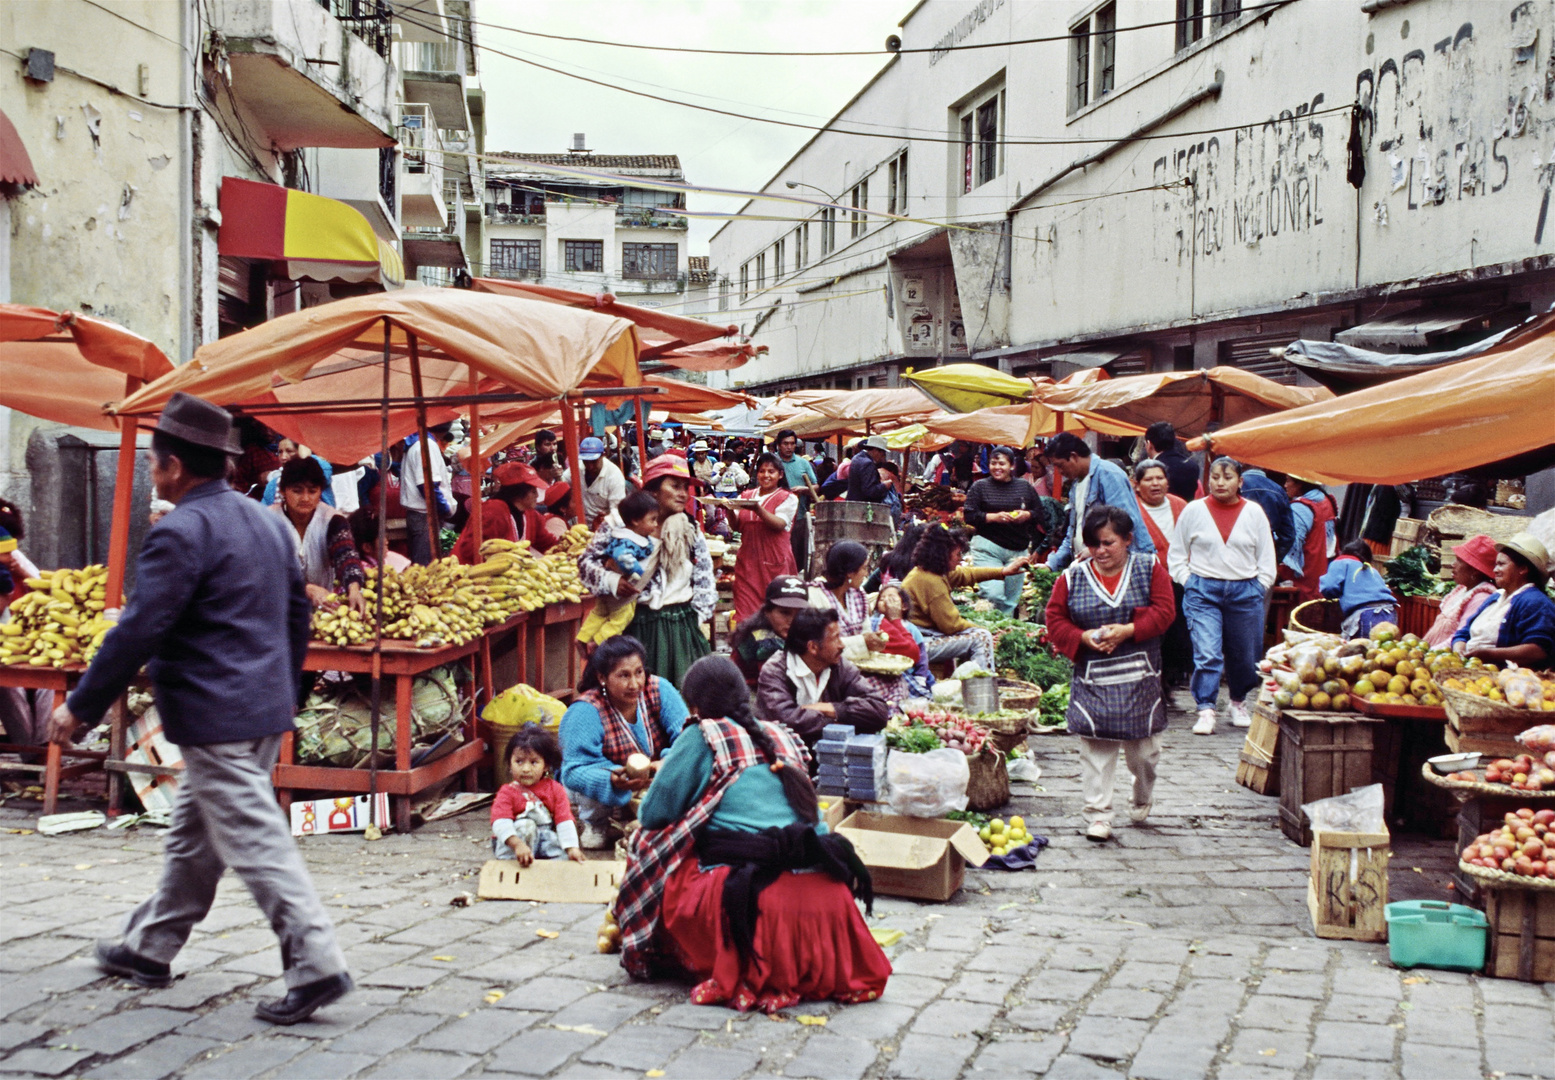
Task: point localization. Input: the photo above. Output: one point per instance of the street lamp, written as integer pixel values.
(796, 184)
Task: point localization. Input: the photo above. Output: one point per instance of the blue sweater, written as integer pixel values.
(1108, 486)
(1355, 584)
(755, 801)
(585, 769)
(1530, 620)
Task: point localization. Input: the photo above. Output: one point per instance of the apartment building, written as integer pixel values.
(592, 233)
(1156, 197)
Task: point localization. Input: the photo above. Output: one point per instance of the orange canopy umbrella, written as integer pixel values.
(711, 356)
(1459, 416)
(66, 367)
(872, 405)
(1188, 400)
(1021, 425)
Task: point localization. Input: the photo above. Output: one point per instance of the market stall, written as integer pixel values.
(1191, 401)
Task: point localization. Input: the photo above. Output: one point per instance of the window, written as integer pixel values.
(858, 198)
(1190, 22)
(779, 260)
(802, 246)
(828, 231)
(761, 271)
(987, 140)
(982, 156)
(649, 260)
(1080, 66)
(723, 294)
(515, 257)
(896, 185)
(1106, 49)
(583, 256)
(1226, 12)
(967, 152)
(745, 282)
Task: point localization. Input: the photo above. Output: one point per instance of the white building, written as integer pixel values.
(1167, 197)
(586, 233)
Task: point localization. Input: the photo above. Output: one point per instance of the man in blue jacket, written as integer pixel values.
(1275, 504)
(864, 483)
(220, 620)
(1095, 482)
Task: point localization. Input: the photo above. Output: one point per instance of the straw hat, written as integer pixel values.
(1528, 546)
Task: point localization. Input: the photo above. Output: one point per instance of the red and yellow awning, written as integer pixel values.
(307, 236)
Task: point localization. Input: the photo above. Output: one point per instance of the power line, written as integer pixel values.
(860, 52)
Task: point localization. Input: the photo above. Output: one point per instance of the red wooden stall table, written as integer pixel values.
(61, 680)
(402, 662)
(553, 661)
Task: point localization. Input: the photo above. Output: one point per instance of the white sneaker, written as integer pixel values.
(1138, 814)
(1099, 832)
(1206, 722)
(591, 837)
(1239, 714)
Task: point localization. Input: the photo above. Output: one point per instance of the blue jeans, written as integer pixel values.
(1225, 623)
(1003, 593)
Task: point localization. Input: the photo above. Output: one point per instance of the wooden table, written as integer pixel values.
(552, 656)
(61, 680)
(401, 663)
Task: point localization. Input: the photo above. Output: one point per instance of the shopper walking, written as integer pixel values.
(1222, 553)
(1107, 614)
(220, 613)
(1000, 509)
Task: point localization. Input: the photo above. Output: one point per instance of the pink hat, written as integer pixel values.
(1479, 552)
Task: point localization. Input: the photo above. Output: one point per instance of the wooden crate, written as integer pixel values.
(1522, 933)
(1347, 893)
(1321, 754)
(1259, 768)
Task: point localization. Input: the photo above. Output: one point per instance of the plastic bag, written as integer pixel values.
(1023, 769)
(969, 670)
(1540, 740)
(947, 692)
(927, 785)
(1308, 662)
(1358, 812)
(523, 704)
(1523, 689)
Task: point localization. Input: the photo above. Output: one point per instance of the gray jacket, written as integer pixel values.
(857, 702)
(219, 618)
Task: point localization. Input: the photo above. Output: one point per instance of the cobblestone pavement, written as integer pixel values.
(1180, 949)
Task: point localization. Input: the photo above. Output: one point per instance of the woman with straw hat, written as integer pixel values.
(1517, 624)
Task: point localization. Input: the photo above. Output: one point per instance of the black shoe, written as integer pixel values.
(301, 1002)
(115, 959)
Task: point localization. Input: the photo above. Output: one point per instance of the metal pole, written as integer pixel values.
(426, 451)
(382, 555)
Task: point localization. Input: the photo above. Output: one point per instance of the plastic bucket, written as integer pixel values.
(1436, 934)
(980, 694)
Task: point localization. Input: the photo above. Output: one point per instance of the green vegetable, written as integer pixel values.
(1413, 573)
(915, 739)
(1022, 650)
(1038, 587)
(971, 817)
(1054, 707)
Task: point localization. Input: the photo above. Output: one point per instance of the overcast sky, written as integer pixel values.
(530, 111)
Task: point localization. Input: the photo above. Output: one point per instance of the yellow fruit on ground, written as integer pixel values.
(1017, 822)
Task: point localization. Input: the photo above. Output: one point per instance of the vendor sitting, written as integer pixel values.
(1473, 571)
(756, 639)
(511, 514)
(620, 711)
(330, 563)
(893, 621)
(732, 879)
(1517, 624)
(809, 685)
(1364, 598)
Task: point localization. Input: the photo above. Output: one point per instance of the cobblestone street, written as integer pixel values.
(1180, 949)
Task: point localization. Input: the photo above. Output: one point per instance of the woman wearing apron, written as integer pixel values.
(766, 552)
(1107, 613)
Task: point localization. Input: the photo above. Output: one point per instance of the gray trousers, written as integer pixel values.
(226, 815)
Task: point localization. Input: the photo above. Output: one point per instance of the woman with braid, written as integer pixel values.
(731, 878)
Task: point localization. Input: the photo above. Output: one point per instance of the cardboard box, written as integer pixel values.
(560, 881)
(314, 817)
(921, 858)
(832, 813)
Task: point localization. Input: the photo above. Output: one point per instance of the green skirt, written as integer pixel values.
(673, 638)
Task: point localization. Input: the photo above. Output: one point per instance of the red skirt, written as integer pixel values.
(811, 942)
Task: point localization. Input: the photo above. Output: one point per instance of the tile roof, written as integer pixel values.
(597, 161)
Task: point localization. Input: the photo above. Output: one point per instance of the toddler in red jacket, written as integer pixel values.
(530, 817)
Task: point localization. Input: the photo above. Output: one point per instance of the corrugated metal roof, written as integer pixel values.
(597, 161)
(1417, 326)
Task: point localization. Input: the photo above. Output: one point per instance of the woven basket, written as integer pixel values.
(1018, 694)
(1501, 879)
(988, 785)
(1453, 521)
(1487, 715)
(1481, 787)
(1317, 617)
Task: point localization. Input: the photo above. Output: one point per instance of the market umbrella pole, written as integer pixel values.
(426, 451)
(124, 491)
(642, 437)
(574, 463)
(382, 555)
(476, 468)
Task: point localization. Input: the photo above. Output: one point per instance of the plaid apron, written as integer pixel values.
(619, 741)
(1117, 696)
(657, 853)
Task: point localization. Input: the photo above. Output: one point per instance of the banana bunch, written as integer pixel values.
(60, 621)
(523, 581)
(576, 539)
(343, 626)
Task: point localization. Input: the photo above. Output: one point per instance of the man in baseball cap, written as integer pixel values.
(604, 485)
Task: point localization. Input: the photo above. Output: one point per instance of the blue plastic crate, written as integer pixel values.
(1436, 934)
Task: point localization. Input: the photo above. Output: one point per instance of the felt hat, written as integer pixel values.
(876, 442)
(1479, 552)
(197, 421)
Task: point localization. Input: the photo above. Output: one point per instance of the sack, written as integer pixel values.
(1358, 812)
(927, 785)
(523, 704)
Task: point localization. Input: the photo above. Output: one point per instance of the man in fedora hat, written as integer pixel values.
(220, 620)
(864, 483)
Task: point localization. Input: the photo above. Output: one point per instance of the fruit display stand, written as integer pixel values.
(55, 767)
(400, 663)
(1481, 805)
(1321, 754)
(1521, 912)
(551, 655)
(1475, 724)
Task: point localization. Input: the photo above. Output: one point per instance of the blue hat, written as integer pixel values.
(591, 449)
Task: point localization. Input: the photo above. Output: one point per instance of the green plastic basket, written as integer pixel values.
(1436, 934)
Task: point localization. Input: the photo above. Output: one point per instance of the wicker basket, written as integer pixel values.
(988, 785)
(1018, 694)
(1503, 879)
(1487, 715)
(1317, 617)
(1454, 521)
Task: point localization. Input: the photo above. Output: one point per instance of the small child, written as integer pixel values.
(1364, 598)
(530, 817)
(893, 609)
(629, 544)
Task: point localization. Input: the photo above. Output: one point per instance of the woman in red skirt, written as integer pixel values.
(731, 878)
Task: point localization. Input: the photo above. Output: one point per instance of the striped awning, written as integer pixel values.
(307, 237)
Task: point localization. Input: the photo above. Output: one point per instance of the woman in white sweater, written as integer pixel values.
(1222, 553)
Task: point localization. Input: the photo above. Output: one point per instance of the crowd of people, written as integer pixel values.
(702, 760)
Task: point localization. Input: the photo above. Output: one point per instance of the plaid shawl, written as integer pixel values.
(619, 742)
(658, 853)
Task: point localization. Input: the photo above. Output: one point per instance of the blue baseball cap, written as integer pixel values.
(591, 449)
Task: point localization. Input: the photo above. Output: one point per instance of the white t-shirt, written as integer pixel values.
(1161, 515)
(412, 495)
(605, 493)
(808, 686)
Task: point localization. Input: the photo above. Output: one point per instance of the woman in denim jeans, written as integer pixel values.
(1222, 553)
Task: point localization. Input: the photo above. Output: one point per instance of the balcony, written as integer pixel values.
(422, 202)
(302, 77)
(355, 177)
(434, 72)
(647, 217)
(420, 20)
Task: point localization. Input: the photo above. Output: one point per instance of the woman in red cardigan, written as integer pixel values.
(1107, 613)
(1159, 509)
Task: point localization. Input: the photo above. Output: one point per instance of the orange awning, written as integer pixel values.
(1455, 417)
(1019, 426)
(333, 354)
(67, 367)
(710, 356)
(15, 166)
(1188, 400)
(304, 236)
(874, 405)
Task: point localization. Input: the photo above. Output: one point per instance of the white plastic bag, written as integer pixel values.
(1358, 812)
(927, 785)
